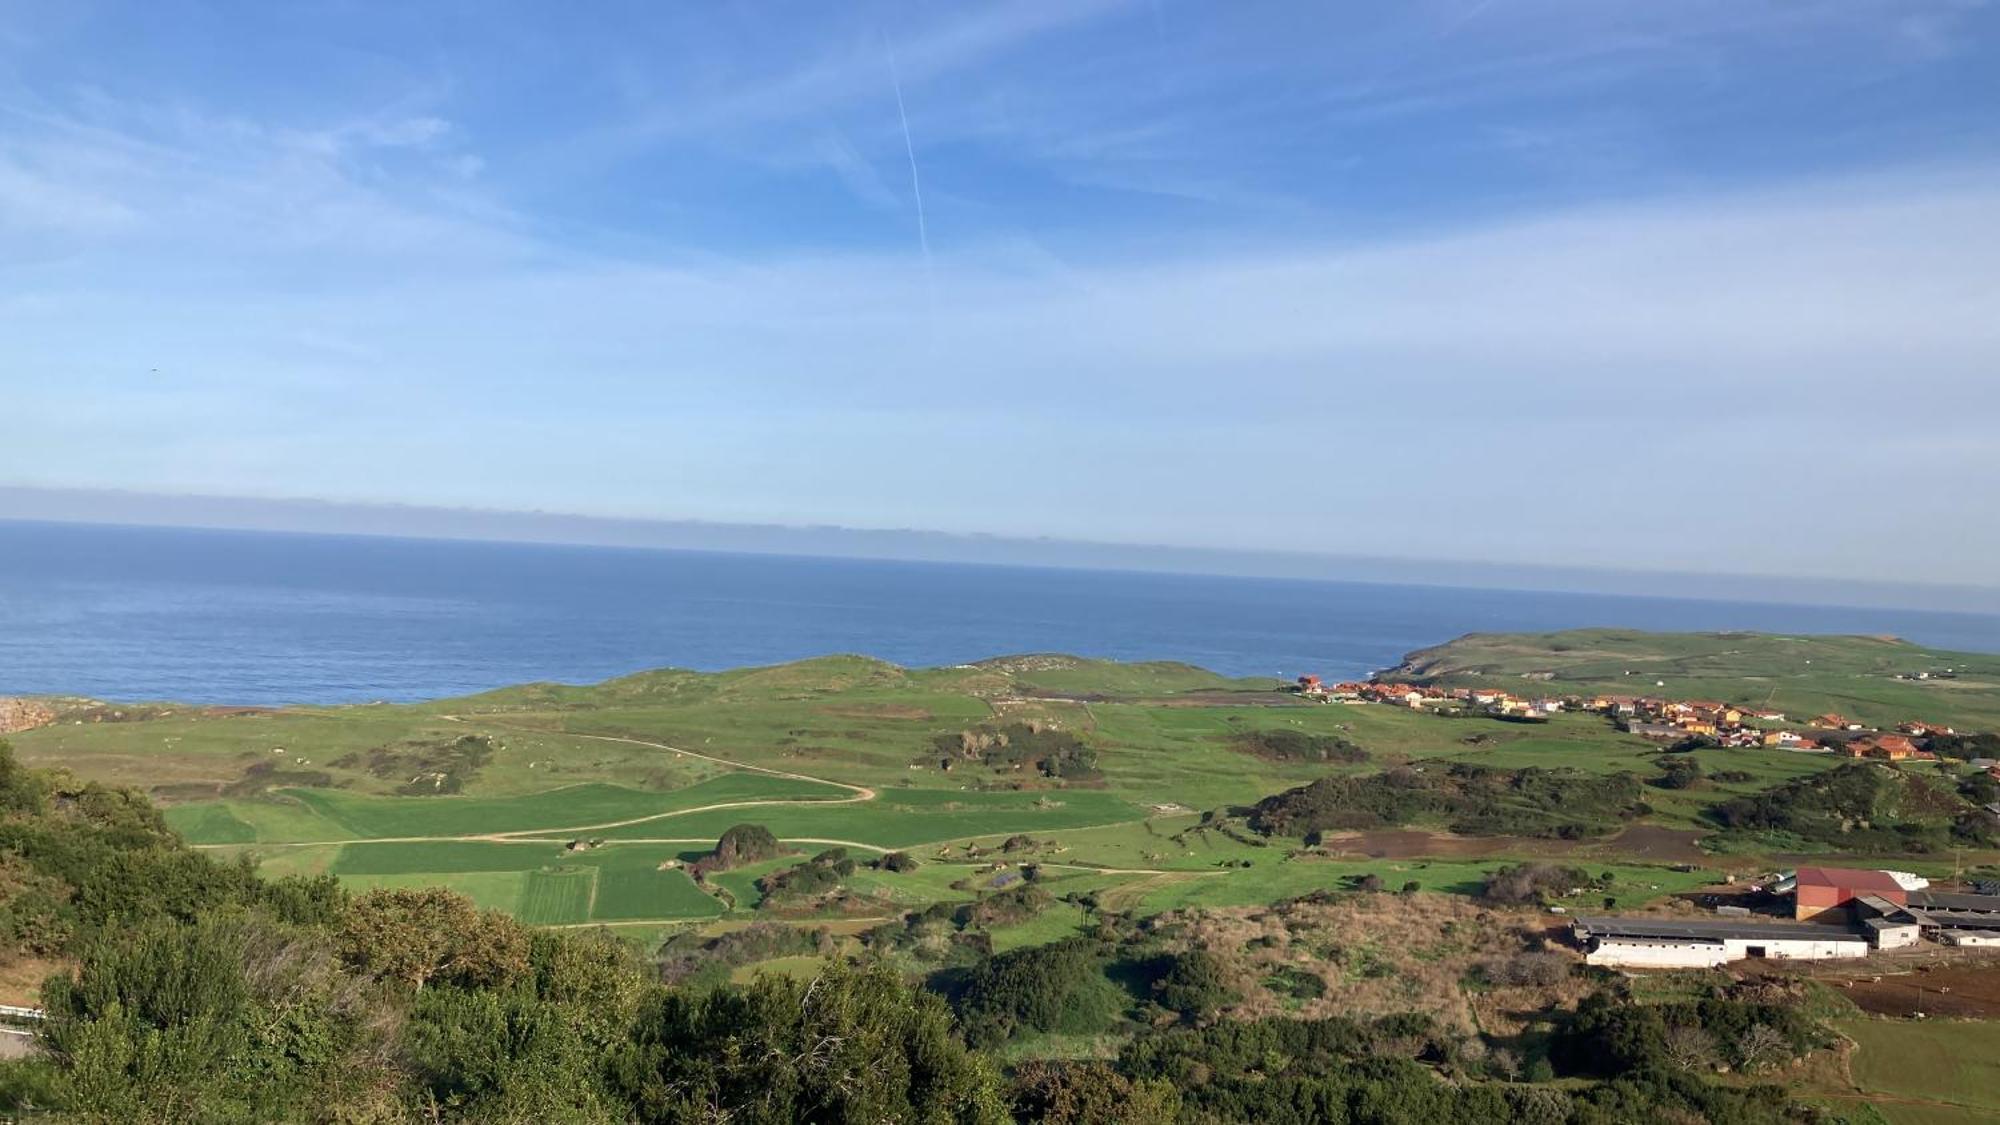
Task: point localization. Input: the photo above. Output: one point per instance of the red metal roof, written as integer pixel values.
(1849, 879)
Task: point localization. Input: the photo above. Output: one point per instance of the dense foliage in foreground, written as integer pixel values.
(190, 990)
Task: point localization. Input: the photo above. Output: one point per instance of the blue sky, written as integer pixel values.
(1706, 286)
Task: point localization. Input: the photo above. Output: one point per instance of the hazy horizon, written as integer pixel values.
(129, 508)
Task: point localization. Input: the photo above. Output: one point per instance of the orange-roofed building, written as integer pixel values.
(1820, 889)
(1893, 747)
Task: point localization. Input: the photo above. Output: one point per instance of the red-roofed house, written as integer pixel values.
(1820, 889)
(1893, 747)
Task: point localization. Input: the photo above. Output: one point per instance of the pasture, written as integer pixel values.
(1934, 1070)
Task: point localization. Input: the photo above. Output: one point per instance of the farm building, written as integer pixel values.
(1673, 943)
(1664, 732)
(1817, 890)
(1956, 919)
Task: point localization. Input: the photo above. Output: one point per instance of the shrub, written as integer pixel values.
(1472, 799)
(742, 844)
(1524, 883)
(1284, 745)
(1057, 987)
(1194, 985)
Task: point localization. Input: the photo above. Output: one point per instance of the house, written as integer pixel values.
(1891, 747)
(1310, 685)
(1817, 890)
(1674, 943)
(1665, 732)
(1921, 729)
(1705, 711)
(1830, 721)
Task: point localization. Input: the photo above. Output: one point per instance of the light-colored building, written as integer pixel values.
(1672, 943)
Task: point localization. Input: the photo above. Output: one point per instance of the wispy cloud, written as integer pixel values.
(1188, 257)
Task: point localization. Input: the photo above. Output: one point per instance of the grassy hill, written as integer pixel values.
(1861, 677)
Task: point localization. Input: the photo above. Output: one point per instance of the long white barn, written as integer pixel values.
(1667, 943)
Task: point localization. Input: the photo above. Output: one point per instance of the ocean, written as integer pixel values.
(230, 617)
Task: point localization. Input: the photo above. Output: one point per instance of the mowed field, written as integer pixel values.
(537, 881)
(315, 815)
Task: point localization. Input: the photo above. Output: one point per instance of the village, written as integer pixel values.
(1658, 719)
(1811, 914)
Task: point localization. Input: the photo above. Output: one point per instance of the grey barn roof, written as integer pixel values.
(1939, 900)
(1705, 930)
(1946, 920)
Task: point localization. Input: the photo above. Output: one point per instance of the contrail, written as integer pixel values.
(909, 147)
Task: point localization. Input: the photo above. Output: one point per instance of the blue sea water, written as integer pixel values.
(260, 618)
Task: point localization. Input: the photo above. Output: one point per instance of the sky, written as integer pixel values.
(1709, 286)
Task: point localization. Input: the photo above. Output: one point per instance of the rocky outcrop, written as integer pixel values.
(17, 715)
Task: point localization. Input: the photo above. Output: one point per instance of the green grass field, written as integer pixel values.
(652, 763)
(902, 819)
(1944, 1067)
(557, 896)
(306, 815)
(628, 893)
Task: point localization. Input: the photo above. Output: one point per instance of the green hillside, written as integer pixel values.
(1158, 785)
(1866, 678)
(1145, 863)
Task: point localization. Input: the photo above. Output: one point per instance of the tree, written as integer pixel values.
(1763, 1046)
(1690, 1048)
(431, 934)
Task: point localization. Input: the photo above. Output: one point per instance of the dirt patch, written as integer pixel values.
(1969, 990)
(21, 979)
(1414, 843)
(1661, 845)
